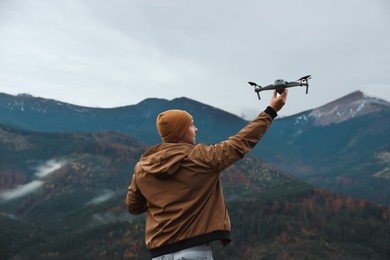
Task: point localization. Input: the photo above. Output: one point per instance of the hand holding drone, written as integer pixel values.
(281, 84)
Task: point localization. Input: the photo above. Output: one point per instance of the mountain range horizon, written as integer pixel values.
(246, 114)
(315, 145)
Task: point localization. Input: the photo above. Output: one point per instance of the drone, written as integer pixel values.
(281, 84)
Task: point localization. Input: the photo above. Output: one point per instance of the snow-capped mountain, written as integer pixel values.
(351, 106)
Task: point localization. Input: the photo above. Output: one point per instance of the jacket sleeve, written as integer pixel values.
(220, 156)
(135, 201)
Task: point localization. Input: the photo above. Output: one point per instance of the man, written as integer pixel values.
(177, 183)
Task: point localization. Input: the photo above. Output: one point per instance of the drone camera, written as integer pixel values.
(280, 85)
(280, 82)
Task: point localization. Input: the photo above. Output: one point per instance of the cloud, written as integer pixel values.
(48, 168)
(21, 190)
(42, 171)
(106, 195)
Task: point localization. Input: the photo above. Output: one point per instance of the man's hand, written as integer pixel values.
(277, 102)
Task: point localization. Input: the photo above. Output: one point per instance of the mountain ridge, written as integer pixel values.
(355, 96)
(341, 153)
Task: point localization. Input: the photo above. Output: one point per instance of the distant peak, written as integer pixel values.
(357, 96)
(182, 98)
(350, 106)
(25, 95)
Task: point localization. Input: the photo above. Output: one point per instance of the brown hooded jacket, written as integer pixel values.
(178, 186)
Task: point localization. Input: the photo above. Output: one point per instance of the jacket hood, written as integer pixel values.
(164, 159)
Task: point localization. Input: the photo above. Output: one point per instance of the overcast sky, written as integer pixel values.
(114, 53)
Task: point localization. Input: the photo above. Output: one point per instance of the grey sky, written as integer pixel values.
(114, 53)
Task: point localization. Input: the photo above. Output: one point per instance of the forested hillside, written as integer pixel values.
(76, 209)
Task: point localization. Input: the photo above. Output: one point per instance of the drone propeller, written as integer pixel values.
(305, 77)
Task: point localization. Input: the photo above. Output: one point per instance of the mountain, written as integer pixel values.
(62, 197)
(355, 105)
(339, 146)
(43, 115)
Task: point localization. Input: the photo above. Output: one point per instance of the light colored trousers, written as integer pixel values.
(200, 252)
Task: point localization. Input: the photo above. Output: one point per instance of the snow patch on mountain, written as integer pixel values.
(351, 106)
(26, 102)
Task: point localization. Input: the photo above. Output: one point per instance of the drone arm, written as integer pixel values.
(271, 86)
(293, 84)
(257, 90)
(298, 83)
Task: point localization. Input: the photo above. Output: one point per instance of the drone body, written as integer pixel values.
(280, 85)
